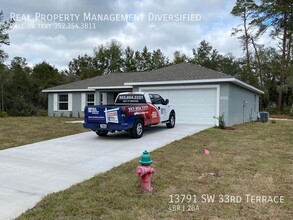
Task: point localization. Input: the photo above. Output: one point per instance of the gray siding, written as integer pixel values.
(237, 104)
(224, 101)
(243, 105)
(50, 105)
(76, 106)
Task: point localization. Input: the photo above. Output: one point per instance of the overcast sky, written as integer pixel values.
(58, 31)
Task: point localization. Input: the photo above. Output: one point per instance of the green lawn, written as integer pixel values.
(254, 159)
(16, 131)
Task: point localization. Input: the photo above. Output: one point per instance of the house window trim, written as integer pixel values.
(68, 102)
(87, 97)
(84, 100)
(64, 110)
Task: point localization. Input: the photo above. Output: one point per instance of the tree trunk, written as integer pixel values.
(283, 62)
(2, 99)
(246, 42)
(258, 61)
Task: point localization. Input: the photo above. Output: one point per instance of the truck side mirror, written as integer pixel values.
(166, 101)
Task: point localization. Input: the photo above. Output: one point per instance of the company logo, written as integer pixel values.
(93, 110)
(154, 114)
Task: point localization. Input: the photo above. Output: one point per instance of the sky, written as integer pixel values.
(58, 31)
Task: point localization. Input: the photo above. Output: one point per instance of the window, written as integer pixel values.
(90, 99)
(63, 101)
(156, 99)
(130, 98)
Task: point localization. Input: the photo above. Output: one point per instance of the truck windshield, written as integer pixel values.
(131, 98)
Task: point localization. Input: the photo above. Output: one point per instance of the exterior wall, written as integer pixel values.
(50, 105)
(135, 88)
(110, 98)
(231, 102)
(97, 97)
(237, 104)
(77, 110)
(224, 102)
(243, 105)
(76, 106)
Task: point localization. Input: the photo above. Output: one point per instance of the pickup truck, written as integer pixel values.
(131, 112)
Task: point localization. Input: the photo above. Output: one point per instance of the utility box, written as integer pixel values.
(264, 117)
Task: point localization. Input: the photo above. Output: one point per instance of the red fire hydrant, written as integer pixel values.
(145, 171)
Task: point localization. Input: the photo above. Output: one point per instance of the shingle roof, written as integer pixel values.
(176, 72)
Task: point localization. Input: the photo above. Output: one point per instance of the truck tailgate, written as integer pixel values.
(102, 114)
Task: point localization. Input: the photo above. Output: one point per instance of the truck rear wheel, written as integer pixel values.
(171, 122)
(102, 133)
(137, 130)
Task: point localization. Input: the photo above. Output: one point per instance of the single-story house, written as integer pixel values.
(199, 95)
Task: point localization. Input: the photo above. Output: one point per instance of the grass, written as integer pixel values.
(16, 131)
(255, 159)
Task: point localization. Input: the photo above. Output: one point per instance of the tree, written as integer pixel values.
(108, 59)
(276, 15)
(146, 57)
(201, 55)
(4, 39)
(179, 57)
(4, 79)
(83, 67)
(244, 9)
(44, 76)
(5, 26)
(206, 56)
(130, 63)
(19, 94)
(158, 59)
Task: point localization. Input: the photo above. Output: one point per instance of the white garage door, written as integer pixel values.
(192, 105)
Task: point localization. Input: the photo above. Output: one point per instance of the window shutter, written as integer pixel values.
(55, 100)
(69, 101)
(82, 101)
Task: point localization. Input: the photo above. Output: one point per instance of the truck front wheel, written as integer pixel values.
(102, 133)
(137, 130)
(171, 122)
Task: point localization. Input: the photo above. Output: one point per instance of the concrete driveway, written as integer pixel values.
(30, 172)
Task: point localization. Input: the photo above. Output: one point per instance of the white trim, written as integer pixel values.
(111, 87)
(83, 95)
(55, 102)
(104, 98)
(179, 87)
(218, 105)
(178, 82)
(217, 87)
(69, 90)
(245, 85)
(232, 80)
(129, 85)
(70, 102)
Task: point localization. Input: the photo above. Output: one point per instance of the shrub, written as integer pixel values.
(221, 120)
(222, 124)
(42, 113)
(3, 114)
